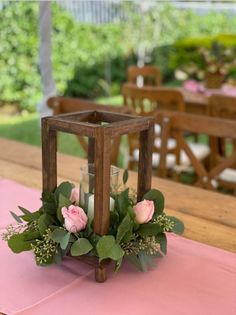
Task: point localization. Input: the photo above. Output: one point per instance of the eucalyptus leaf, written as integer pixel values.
(149, 229)
(162, 240)
(65, 241)
(58, 256)
(49, 203)
(32, 217)
(63, 189)
(31, 235)
(146, 261)
(63, 202)
(16, 217)
(125, 226)
(134, 260)
(125, 176)
(123, 202)
(118, 264)
(178, 227)
(81, 247)
(18, 244)
(58, 235)
(44, 221)
(108, 248)
(158, 198)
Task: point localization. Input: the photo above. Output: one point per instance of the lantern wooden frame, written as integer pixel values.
(88, 124)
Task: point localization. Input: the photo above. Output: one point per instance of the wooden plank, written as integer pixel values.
(183, 198)
(207, 232)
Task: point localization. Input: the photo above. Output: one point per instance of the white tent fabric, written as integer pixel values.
(45, 63)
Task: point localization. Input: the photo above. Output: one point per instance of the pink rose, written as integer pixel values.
(75, 218)
(74, 196)
(144, 211)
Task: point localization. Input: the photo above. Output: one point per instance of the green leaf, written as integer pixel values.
(118, 264)
(108, 248)
(33, 216)
(162, 240)
(81, 247)
(158, 199)
(123, 202)
(18, 244)
(16, 217)
(146, 261)
(63, 202)
(58, 234)
(125, 176)
(149, 229)
(65, 241)
(57, 258)
(125, 226)
(178, 227)
(134, 260)
(63, 189)
(44, 221)
(31, 235)
(49, 203)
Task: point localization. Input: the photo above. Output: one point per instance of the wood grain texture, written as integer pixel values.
(209, 217)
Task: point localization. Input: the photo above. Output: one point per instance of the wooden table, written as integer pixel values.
(196, 103)
(209, 217)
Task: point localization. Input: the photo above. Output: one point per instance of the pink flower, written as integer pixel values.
(74, 196)
(75, 218)
(144, 211)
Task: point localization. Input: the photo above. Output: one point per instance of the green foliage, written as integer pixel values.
(61, 236)
(18, 244)
(45, 234)
(125, 176)
(149, 229)
(158, 199)
(86, 57)
(81, 247)
(178, 225)
(107, 247)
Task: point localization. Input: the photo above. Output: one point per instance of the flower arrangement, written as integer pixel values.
(216, 60)
(61, 227)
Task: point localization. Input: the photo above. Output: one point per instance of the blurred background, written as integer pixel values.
(94, 42)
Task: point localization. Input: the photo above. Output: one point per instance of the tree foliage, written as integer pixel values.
(91, 60)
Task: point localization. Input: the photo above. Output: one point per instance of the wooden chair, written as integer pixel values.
(150, 75)
(179, 123)
(63, 105)
(223, 106)
(145, 101)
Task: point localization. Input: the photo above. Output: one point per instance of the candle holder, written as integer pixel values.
(100, 127)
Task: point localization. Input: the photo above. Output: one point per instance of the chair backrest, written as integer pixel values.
(180, 123)
(63, 105)
(151, 75)
(222, 106)
(146, 100)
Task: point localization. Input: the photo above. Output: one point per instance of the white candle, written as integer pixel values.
(90, 212)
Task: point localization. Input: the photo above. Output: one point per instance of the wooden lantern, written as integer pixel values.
(89, 124)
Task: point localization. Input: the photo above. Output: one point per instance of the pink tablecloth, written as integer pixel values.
(192, 279)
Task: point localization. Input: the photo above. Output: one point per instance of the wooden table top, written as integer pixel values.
(209, 217)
